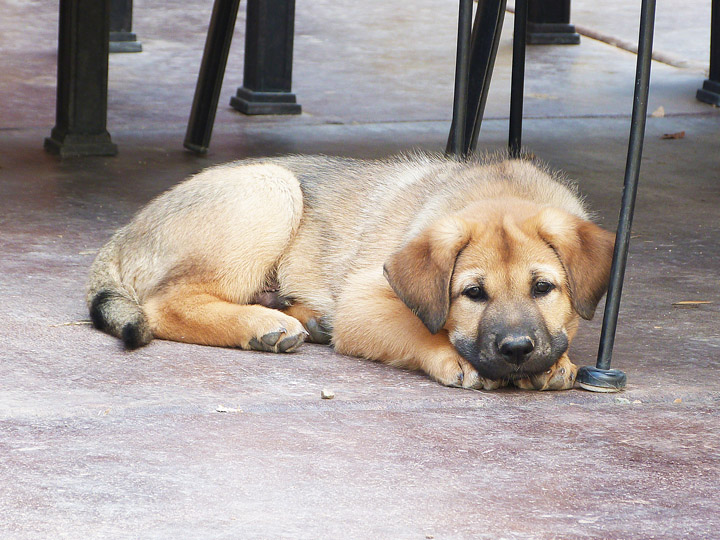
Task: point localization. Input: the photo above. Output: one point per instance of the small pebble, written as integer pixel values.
(678, 400)
(622, 400)
(637, 402)
(327, 394)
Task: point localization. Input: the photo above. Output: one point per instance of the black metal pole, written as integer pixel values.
(710, 91)
(456, 143)
(602, 378)
(518, 77)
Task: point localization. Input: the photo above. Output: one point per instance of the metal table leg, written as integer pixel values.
(549, 23)
(122, 38)
(710, 91)
(82, 81)
(601, 378)
(267, 76)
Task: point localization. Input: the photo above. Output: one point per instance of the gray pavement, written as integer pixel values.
(183, 441)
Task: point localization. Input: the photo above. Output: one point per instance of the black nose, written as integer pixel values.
(515, 349)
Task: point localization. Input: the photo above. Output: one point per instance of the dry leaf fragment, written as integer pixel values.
(659, 112)
(678, 135)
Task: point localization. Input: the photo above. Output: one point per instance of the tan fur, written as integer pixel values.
(378, 253)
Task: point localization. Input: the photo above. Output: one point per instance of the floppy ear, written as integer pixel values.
(421, 270)
(585, 251)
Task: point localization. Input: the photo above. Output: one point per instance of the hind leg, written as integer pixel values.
(227, 250)
(191, 314)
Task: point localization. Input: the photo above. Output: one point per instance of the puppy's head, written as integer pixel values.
(508, 289)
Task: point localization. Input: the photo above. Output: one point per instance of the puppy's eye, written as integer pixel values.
(476, 292)
(541, 288)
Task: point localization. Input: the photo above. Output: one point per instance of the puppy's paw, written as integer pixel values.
(560, 376)
(453, 370)
(317, 325)
(283, 334)
(319, 331)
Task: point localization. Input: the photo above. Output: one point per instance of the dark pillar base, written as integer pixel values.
(709, 93)
(552, 34)
(73, 145)
(81, 104)
(122, 42)
(251, 102)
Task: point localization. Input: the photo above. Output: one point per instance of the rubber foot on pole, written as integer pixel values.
(601, 380)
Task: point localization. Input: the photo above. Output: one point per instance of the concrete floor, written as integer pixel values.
(100, 443)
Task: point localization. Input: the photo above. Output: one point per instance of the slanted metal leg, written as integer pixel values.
(484, 41)
(602, 378)
(212, 71)
(518, 78)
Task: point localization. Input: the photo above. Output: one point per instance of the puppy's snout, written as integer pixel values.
(515, 348)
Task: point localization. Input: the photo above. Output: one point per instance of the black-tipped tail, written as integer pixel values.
(135, 335)
(117, 314)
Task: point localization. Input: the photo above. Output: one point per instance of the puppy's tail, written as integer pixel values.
(113, 307)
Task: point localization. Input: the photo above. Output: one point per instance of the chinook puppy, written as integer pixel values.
(475, 272)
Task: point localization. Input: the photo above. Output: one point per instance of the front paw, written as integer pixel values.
(277, 333)
(560, 376)
(453, 370)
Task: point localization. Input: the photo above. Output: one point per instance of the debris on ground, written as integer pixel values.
(659, 112)
(83, 322)
(222, 408)
(691, 303)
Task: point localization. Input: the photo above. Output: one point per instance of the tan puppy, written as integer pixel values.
(474, 272)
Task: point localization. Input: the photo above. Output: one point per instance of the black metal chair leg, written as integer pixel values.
(456, 140)
(484, 43)
(602, 378)
(212, 70)
(484, 40)
(518, 77)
